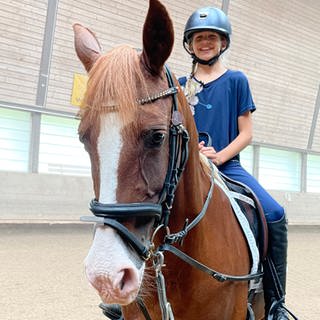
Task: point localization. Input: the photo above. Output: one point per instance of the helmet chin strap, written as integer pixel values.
(209, 62)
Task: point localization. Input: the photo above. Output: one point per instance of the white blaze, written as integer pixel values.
(110, 266)
(109, 146)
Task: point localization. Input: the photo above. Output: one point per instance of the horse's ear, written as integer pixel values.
(87, 46)
(158, 37)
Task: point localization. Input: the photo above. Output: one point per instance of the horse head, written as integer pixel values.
(125, 127)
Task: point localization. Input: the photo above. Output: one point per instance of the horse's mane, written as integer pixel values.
(204, 162)
(113, 83)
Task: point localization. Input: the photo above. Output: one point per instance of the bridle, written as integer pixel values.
(112, 214)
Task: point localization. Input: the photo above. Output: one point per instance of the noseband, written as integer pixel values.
(112, 214)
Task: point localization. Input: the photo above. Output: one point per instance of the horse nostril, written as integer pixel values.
(129, 281)
(122, 282)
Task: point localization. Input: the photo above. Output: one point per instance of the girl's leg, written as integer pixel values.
(272, 209)
(275, 266)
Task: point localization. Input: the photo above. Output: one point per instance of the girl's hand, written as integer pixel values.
(211, 154)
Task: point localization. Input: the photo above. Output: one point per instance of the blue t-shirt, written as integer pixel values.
(218, 104)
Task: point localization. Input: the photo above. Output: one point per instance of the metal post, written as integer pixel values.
(225, 6)
(314, 120)
(256, 160)
(303, 170)
(42, 88)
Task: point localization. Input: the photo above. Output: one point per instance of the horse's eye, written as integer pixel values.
(82, 138)
(154, 138)
(158, 137)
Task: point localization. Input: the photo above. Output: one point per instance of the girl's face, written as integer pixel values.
(207, 44)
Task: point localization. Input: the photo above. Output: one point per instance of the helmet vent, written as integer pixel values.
(203, 15)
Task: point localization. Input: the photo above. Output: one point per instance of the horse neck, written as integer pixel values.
(195, 182)
(192, 189)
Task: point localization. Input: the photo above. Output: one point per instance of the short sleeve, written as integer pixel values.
(245, 100)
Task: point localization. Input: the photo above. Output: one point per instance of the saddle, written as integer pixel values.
(252, 209)
(248, 203)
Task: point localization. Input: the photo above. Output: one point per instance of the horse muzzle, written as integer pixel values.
(113, 268)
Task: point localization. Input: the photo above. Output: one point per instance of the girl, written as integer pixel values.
(221, 102)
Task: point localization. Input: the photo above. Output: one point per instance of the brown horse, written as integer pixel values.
(136, 132)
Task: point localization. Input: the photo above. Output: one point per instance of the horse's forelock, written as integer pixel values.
(115, 83)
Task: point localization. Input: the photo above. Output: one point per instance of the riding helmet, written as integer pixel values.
(207, 18)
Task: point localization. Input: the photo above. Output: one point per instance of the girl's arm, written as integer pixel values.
(242, 140)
